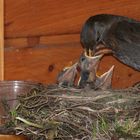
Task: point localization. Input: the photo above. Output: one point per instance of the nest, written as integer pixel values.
(58, 113)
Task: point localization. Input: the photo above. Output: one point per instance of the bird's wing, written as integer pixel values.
(124, 40)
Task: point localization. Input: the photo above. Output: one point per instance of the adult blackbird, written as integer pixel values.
(119, 35)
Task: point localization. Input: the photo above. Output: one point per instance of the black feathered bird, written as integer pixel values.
(117, 34)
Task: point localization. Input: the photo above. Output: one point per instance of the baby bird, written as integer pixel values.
(88, 74)
(67, 76)
(104, 81)
(88, 66)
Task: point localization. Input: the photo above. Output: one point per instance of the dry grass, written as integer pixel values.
(78, 114)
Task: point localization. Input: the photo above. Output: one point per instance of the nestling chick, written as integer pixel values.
(67, 76)
(88, 66)
(88, 74)
(105, 80)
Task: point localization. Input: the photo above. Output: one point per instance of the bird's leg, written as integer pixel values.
(67, 76)
(104, 81)
(88, 66)
(93, 62)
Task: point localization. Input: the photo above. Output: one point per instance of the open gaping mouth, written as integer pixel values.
(87, 66)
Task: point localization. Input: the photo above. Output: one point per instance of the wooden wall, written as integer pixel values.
(42, 36)
(1, 40)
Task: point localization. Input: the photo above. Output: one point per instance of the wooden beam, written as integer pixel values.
(1, 40)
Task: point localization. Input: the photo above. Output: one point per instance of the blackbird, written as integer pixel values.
(105, 33)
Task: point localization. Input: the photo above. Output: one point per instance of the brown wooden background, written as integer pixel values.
(1, 40)
(42, 37)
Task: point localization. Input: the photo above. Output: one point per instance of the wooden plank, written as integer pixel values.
(41, 37)
(12, 137)
(25, 18)
(1, 40)
(43, 64)
(39, 63)
(44, 40)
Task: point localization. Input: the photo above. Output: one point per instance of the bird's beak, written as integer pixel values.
(67, 75)
(91, 52)
(105, 81)
(93, 61)
(102, 49)
(88, 68)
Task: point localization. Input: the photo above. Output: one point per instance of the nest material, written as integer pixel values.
(78, 114)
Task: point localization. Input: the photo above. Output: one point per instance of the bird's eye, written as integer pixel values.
(82, 59)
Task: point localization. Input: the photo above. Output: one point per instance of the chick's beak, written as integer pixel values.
(68, 75)
(93, 61)
(105, 81)
(88, 66)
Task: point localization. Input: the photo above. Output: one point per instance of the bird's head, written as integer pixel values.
(92, 36)
(88, 38)
(88, 63)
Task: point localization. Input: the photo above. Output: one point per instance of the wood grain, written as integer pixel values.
(40, 63)
(12, 137)
(43, 63)
(42, 37)
(44, 40)
(25, 18)
(1, 40)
